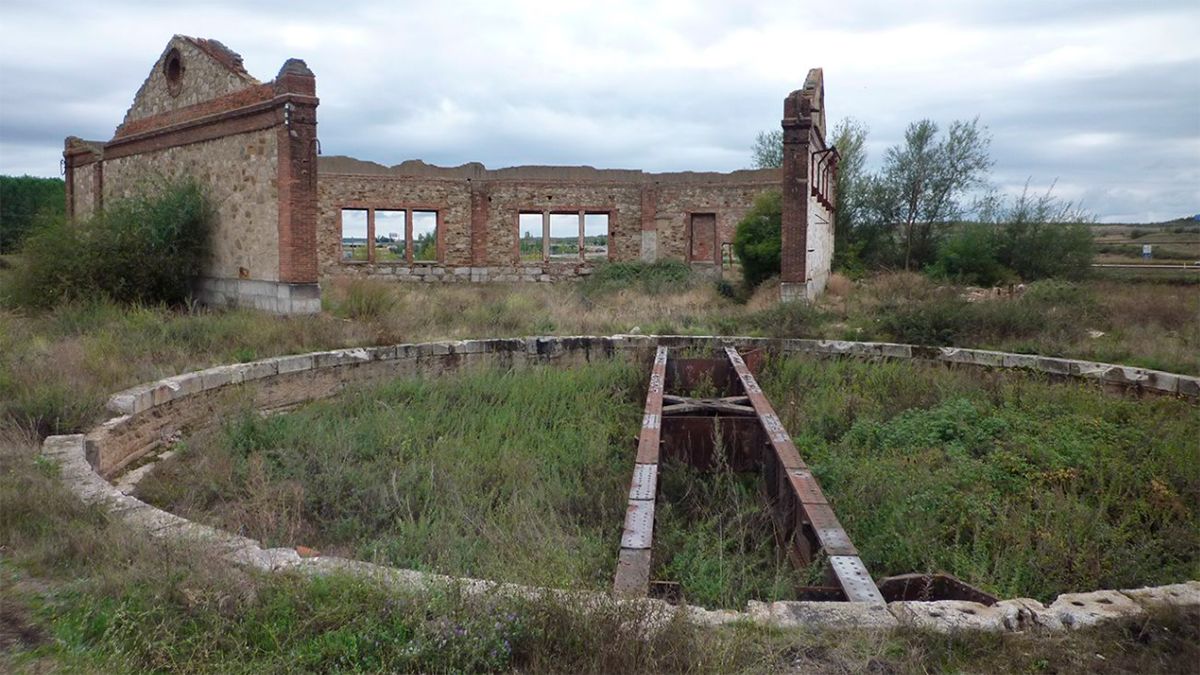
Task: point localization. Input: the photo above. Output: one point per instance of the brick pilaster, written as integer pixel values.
(297, 135)
(480, 209)
(797, 127)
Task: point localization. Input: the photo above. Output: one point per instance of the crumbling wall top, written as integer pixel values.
(415, 168)
(189, 71)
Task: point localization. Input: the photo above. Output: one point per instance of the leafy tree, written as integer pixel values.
(756, 241)
(767, 151)
(1040, 236)
(1033, 237)
(857, 241)
(924, 180)
(23, 199)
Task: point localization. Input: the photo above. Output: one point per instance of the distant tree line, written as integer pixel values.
(930, 208)
(23, 200)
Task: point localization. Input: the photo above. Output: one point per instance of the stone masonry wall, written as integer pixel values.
(210, 70)
(240, 173)
(83, 183)
(478, 213)
(252, 146)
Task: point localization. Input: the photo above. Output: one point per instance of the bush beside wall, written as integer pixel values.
(145, 249)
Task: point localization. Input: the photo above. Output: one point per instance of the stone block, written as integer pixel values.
(1053, 366)
(822, 614)
(1079, 610)
(1167, 383)
(433, 349)
(267, 560)
(386, 353)
(835, 347)
(215, 378)
(152, 520)
(1189, 386)
(255, 370)
(166, 391)
(990, 359)
(133, 400)
(948, 616)
(1027, 361)
(893, 350)
(211, 538)
(186, 384)
(802, 346)
(293, 364)
(1026, 614)
(470, 347)
(61, 447)
(1174, 595)
(711, 618)
(340, 357)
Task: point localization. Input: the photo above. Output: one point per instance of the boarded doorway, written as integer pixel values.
(703, 234)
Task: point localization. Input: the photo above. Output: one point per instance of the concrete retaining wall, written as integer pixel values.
(148, 415)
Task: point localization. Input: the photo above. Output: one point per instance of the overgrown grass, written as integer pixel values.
(510, 476)
(79, 592)
(58, 365)
(1019, 486)
(662, 276)
(714, 538)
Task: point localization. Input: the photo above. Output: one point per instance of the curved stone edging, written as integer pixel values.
(148, 414)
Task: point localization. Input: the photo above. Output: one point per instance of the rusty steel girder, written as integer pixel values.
(736, 428)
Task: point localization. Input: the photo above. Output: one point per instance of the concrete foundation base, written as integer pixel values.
(793, 292)
(802, 292)
(270, 296)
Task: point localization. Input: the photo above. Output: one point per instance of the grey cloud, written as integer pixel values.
(628, 86)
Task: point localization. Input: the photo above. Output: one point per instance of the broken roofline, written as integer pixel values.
(415, 168)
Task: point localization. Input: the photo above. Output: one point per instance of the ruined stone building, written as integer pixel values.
(289, 218)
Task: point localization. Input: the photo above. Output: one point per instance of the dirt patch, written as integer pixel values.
(17, 631)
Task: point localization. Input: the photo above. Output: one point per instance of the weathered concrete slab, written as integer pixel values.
(1079, 610)
(948, 616)
(1174, 595)
(822, 614)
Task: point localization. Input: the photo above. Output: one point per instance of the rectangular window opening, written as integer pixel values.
(595, 236)
(424, 236)
(564, 236)
(529, 237)
(355, 237)
(389, 236)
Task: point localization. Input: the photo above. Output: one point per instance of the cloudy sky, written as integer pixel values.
(1098, 96)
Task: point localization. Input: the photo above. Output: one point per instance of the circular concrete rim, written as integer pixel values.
(86, 466)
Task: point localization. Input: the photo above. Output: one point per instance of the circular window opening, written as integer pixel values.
(173, 70)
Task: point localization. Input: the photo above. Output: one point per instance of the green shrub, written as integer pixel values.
(661, 276)
(1049, 310)
(788, 319)
(145, 249)
(366, 300)
(757, 240)
(938, 322)
(969, 256)
(1039, 237)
